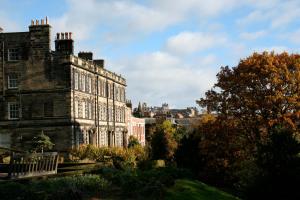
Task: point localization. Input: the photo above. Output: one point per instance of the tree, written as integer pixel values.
(163, 143)
(263, 90)
(278, 162)
(133, 141)
(260, 93)
(41, 142)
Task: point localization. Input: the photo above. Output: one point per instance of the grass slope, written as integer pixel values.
(191, 190)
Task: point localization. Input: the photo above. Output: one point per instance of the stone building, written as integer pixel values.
(72, 99)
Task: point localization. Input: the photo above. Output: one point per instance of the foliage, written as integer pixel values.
(75, 187)
(180, 133)
(261, 91)
(148, 184)
(41, 142)
(189, 145)
(163, 143)
(244, 143)
(133, 141)
(278, 162)
(121, 158)
(193, 190)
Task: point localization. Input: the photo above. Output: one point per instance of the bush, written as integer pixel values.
(133, 141)
(75, 187)
(120, 157)
(150, 184)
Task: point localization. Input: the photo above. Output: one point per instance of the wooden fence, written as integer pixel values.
(33, 164)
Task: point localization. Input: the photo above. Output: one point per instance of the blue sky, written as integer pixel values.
(168, 50)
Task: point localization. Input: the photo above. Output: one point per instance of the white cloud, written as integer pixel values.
(292, 37)
(253, 35)
(286, 13)
(158, 77)
(173, 72)
(9, 25)
(189, 42)
(276, 14)
(127, 18)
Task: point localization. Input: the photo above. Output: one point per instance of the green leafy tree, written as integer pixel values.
(163, 143)
(42, 142)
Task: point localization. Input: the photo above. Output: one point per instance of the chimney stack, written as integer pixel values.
(39, 22)
(64, 43)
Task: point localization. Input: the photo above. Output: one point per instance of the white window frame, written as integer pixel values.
(76, 80)
(9, 108)
(90, 84)
(87, 109)
(83, 82)
(83, 109)
(13, 54)
(90, 110)
(12, 81)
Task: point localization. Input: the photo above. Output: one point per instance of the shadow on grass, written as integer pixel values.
(192, 190)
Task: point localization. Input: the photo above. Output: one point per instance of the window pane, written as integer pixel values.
(13, 110)
(83, 109)
(76, 80)
(12, 81)
(83, 82)
(13, 54)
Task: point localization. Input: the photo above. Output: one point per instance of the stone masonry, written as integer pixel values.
(72, 99)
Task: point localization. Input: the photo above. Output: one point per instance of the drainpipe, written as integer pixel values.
(107, 113)
(97, 109)
(3, 70)
(114, 115)
(73, 105)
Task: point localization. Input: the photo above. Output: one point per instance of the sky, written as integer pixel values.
(168, 50)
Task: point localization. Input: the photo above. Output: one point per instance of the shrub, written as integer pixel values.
(121, 158)
(74, 187)
(133, 141)
(150, 184)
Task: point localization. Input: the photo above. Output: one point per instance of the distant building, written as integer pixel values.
(72, 99)
(186, 118)
(144, 111)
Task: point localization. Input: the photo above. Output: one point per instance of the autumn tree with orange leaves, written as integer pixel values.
(255, 139)
(262, 91)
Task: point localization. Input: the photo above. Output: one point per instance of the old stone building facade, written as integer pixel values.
(72, 99)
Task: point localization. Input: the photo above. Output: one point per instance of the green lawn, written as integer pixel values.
(191, 190)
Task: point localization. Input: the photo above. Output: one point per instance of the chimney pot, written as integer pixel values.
(66, 35)
(46, 20)
(32, 23)
(70, 35)
(36, 22)
(57, 36)
(62, 36)
(42, 21)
